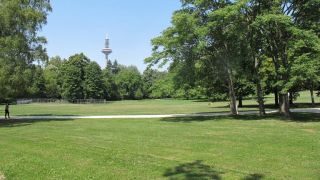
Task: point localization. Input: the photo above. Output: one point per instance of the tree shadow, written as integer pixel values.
(295, 117)
(305, 117)
(247, 106)
(304, 105)
(254, 176)
(44, 114)
(193, 170)
(199, 170)
(9, 123)
(191, 119)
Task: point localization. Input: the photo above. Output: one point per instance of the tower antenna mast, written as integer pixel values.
(106, 50)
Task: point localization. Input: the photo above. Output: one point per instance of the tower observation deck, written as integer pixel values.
(106, 50)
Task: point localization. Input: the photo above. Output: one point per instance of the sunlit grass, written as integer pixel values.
(162, 106)
(221, 147)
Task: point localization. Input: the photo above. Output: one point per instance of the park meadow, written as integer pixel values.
(224, 147)
(224, 89)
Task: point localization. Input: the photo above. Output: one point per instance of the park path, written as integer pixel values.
(303, 110)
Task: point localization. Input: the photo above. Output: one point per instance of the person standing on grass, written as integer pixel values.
(7, 111)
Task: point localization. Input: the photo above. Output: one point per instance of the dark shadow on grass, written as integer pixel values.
(253, 106)
(191, 119)
(254, 177)
(295, 117)
(208, 112)
(304, 105)
(272, 106)
(199, 170)
(305, 117)
(9, 123)
(193, 170)
(26, 115)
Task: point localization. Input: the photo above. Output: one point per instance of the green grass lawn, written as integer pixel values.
(164, 106)
(243, 147)
(118, 107)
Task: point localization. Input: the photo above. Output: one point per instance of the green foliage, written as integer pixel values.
(306, 14)
(53, 77)
(149, 78)
(163, 87)
(129, 81)
(225, 46)
(93, 81)
(38, 87)
(243, 87)
(111, 90)
(20, 44)
(305, 56)
(73, 72)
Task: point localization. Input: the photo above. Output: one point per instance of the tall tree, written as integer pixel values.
(20, 44)
(305, 70)
(281, 35)
(111, 91)
(73, 72)
(250, 9)
(93, 81)
(202, 31)
(276, 29)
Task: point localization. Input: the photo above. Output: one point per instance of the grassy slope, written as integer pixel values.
(225, 147)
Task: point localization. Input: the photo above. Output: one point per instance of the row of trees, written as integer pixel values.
(221, 44)
(25, 70)
(80, 78)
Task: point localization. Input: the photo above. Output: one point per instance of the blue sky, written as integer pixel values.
(81, 26)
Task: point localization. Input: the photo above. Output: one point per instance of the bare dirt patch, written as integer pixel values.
(2, 177)
(310, 130)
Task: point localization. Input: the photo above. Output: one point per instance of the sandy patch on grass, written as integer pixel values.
(310, 130)
(2, 176)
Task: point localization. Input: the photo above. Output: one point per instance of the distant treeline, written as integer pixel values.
(80, 78)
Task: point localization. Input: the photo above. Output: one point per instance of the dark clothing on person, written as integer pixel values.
(7, 111)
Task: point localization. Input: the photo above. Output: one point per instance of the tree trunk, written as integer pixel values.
(262, 111)
(257, 64)
(312, 96)
(240, 101)
(276, 97)
(291, 98)
(284, 104)
(232, 95)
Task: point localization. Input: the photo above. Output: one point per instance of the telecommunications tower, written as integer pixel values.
(106, 50)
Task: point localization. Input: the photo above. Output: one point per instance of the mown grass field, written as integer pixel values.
(164, 106)
(244, 147)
